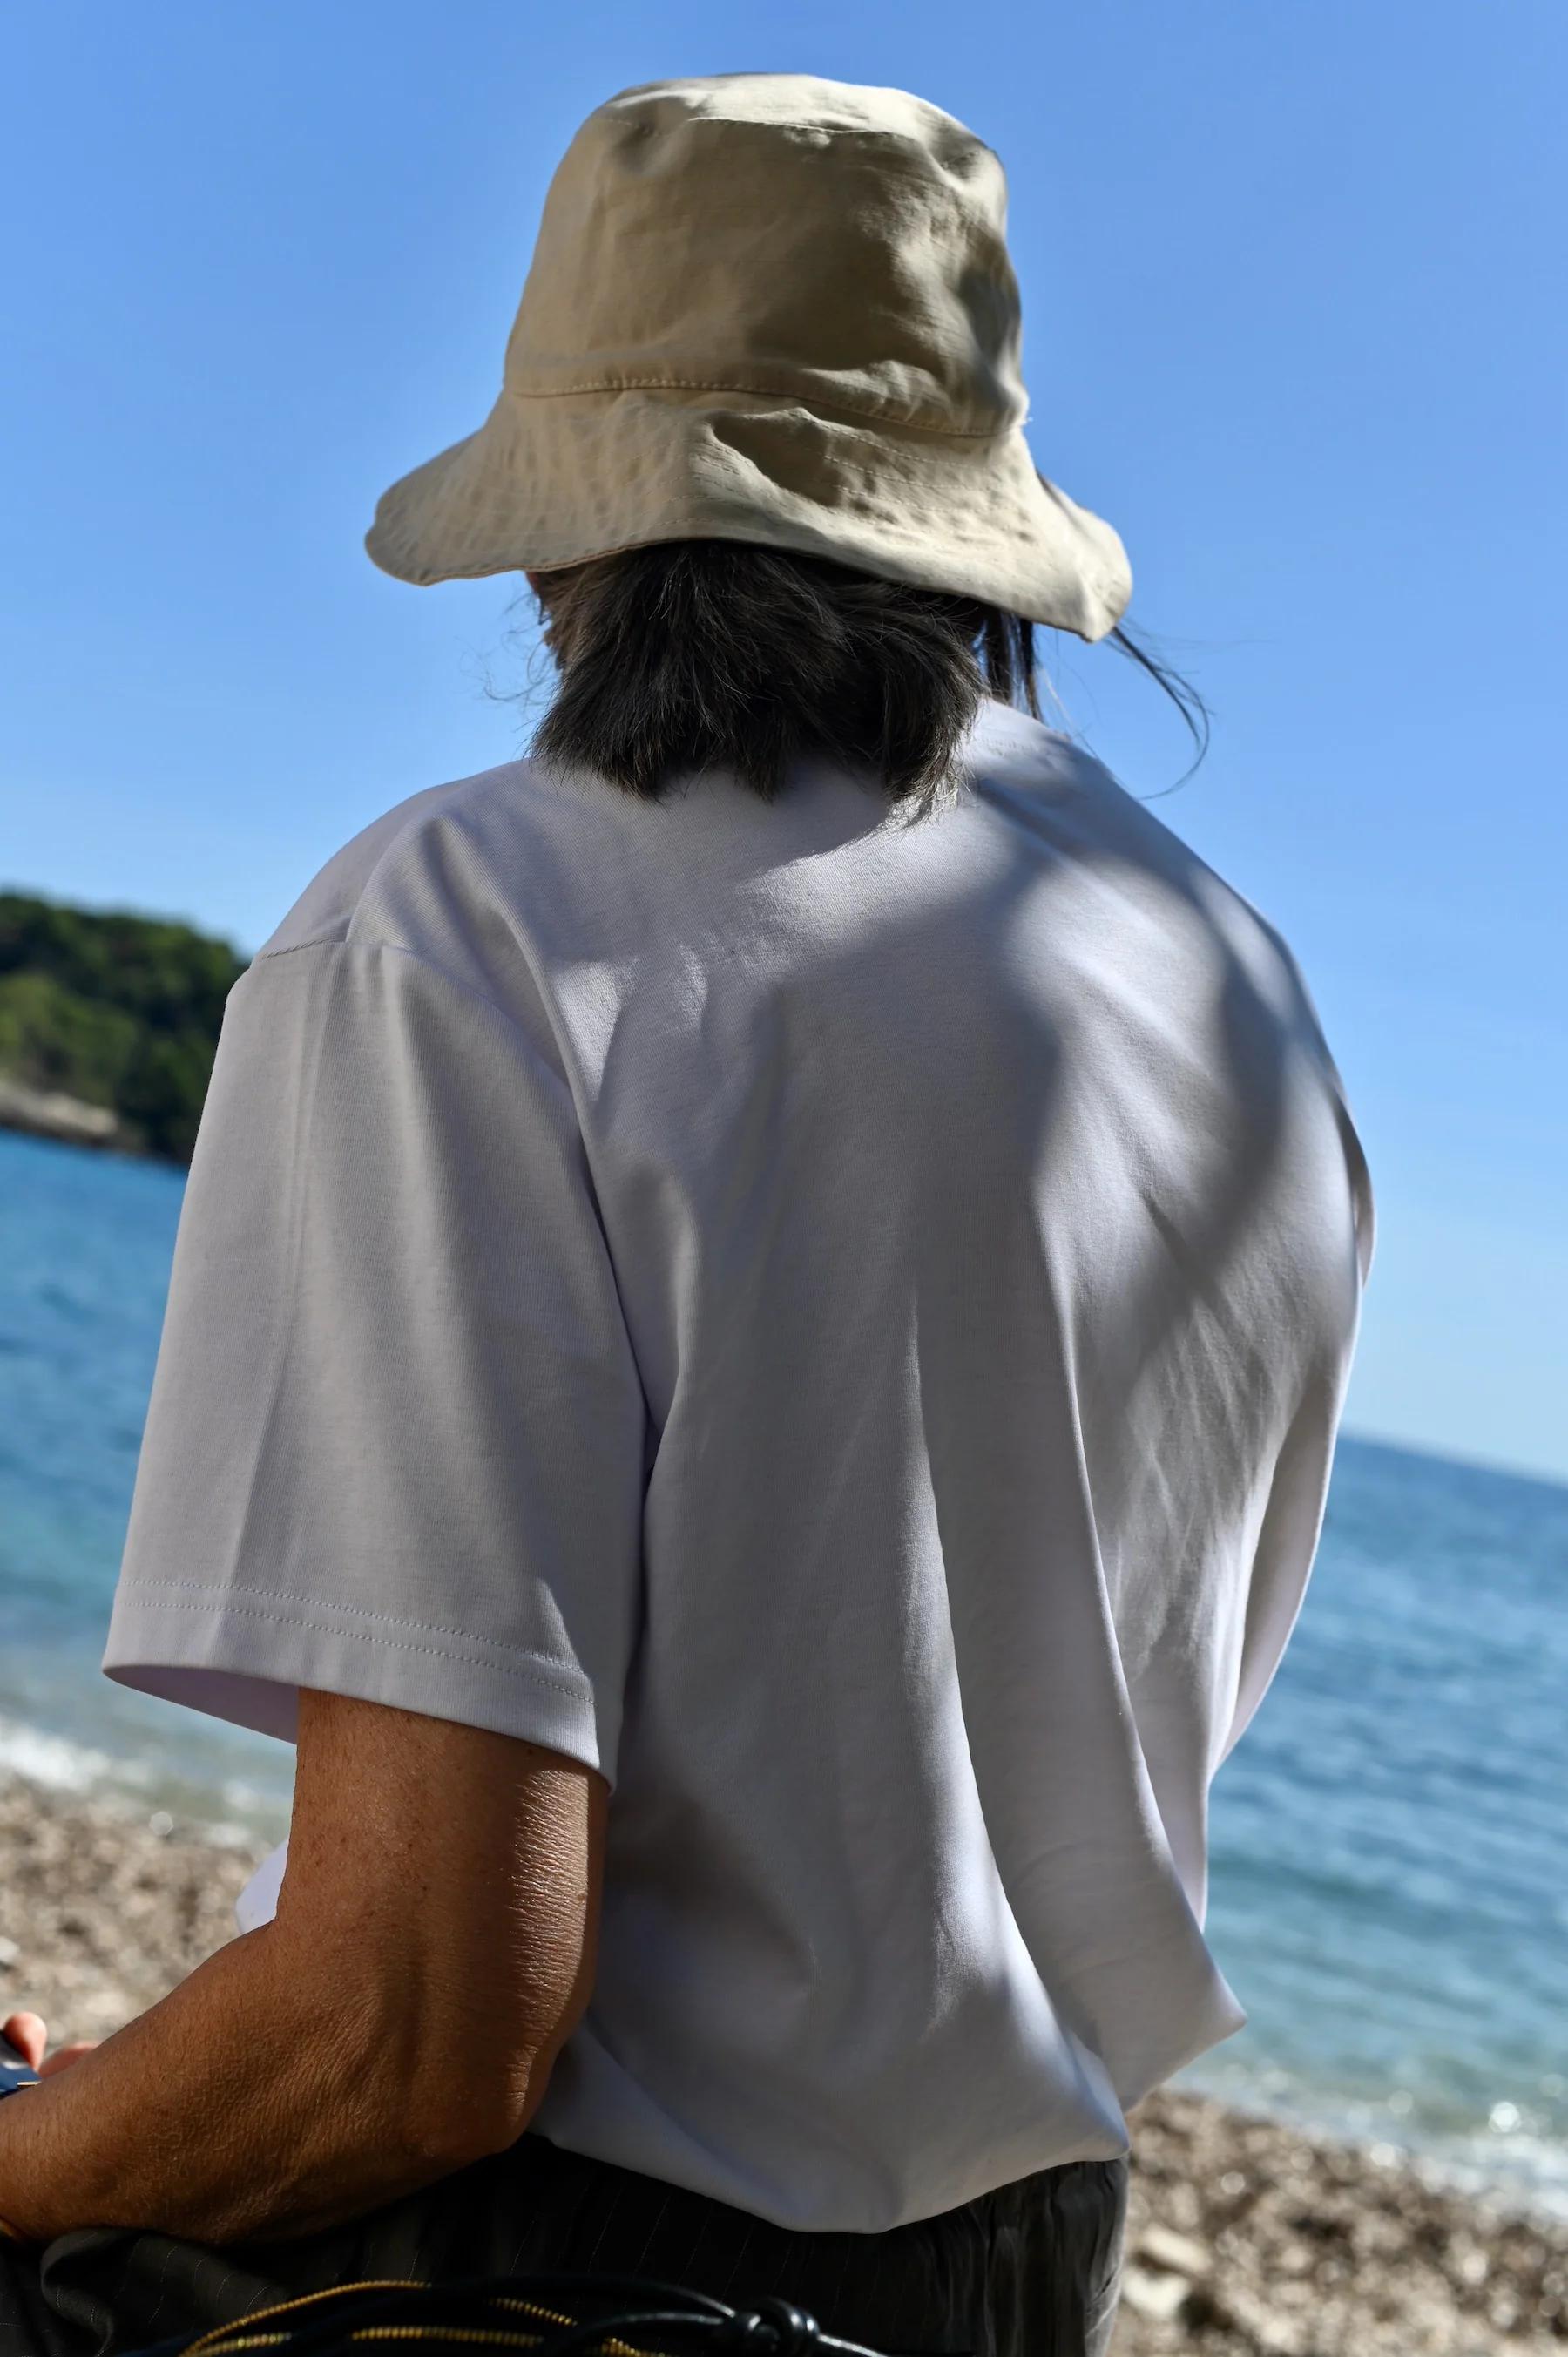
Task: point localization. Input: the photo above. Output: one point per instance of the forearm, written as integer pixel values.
(253, 2101)
(397, 2021)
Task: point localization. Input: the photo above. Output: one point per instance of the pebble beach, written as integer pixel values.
(1245, 2235)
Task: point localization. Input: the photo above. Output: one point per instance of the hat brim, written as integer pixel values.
(552, 481)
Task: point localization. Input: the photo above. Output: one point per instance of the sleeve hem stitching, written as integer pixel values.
(517, 1665)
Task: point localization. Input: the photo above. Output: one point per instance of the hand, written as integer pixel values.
(28, 2036)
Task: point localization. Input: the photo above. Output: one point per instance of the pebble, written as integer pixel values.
(1159, 2298)
(1177, 2253)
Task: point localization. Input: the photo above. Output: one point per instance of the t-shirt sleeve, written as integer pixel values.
(395, 1446)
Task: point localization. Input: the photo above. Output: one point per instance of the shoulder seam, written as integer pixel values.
(392, 948)
(411, 825)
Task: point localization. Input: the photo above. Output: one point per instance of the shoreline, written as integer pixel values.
(1246, 2237)
(64, 1120)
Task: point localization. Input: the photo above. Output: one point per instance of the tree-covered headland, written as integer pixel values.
(116, 1011)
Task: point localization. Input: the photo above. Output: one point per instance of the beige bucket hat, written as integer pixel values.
(772, 308)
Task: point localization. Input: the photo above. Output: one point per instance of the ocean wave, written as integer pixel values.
(61, 1765)
(225, 1810)
(1512, 2154)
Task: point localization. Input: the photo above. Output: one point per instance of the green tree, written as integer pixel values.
(118, 1010)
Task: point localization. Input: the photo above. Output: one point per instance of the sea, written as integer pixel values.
(1388, 1893)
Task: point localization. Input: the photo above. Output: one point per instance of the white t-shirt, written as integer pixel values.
(839, 1324)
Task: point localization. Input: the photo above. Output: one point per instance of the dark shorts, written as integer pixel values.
(1031, 2270)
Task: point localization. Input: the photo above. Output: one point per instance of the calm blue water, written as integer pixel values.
(1390, 1893)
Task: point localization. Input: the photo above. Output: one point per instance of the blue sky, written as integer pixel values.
(1291, 281)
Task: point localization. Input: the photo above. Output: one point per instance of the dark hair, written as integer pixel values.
(695, 654)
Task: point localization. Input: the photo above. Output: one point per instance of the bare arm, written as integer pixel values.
(432, 1949)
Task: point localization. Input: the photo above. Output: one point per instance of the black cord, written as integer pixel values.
(641, 2309)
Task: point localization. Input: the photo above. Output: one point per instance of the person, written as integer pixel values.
(752, 1355)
